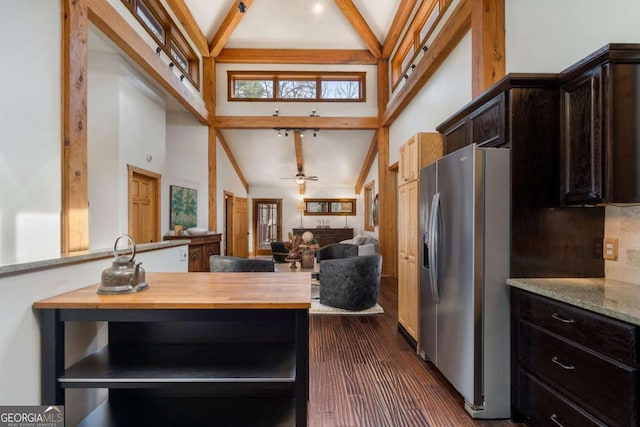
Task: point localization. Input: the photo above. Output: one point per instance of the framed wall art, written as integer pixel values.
(184, 206)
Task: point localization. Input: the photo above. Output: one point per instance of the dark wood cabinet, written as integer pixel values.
(572, 366)
(200, 249)
(325, 236)
(600, 97)
(522, 112)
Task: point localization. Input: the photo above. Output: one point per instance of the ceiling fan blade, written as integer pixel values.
(312, 178)
(288, 178)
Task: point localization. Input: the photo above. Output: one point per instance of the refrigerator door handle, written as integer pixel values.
(433, 248)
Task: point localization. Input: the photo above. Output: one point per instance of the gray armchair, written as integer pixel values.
(350, 283)
(336, 250)
(230, 263)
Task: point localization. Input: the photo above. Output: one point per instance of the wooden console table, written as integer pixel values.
(325, 236)
(200, 249)
(194, 349)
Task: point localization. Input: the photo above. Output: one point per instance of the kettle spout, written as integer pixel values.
(135, 279)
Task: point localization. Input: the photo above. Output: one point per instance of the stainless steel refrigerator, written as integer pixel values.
(464, 312)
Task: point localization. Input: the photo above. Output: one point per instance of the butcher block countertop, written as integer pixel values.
(619, 300)
(197, 291)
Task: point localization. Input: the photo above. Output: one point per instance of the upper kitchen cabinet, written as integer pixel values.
(420, 150)
(600, 127)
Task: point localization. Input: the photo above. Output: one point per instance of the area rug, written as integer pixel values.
(317, 308)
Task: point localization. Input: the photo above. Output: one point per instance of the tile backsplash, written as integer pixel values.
(623, 223)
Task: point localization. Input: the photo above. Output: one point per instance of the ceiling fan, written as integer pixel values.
(302, 178)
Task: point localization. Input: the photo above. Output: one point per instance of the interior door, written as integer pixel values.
(267, 224)
(144, 203)
(240, 227)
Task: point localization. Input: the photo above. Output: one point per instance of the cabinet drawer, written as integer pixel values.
(542, 406)
(609, 336)
(604, 388)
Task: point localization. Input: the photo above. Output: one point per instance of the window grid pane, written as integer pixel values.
(297, 89)
(267, 224)
(150, 21)
(340, 89)
(253, 89)
(179, 58)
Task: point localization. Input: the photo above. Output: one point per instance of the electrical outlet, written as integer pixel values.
(183, 254)
(610, 248)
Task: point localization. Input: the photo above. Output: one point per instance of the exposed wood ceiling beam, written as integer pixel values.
(298, 144)
(399, 21)
(368, 161)
(229, 24)
(297, 138)
(458, 24)
(350, 11)
(488, 44)
(114, 26)
(293, 122)
(232, 159)
(190, 25)
(296, 56)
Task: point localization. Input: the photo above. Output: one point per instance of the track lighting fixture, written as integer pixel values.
(425, 48)
(158, 50)
(406, 76)
(286, 133)
(301, 130)
(279, 133)
(313, 113)
(315, 133)
(276, 113)
(181, 77)
(171, 64)
(413, 67)
(301, 134)
(242, 7)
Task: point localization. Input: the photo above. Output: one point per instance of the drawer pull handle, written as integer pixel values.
(554, 418)
(557, 361)
(562, 319)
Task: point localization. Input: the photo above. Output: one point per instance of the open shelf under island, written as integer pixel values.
(194, 347)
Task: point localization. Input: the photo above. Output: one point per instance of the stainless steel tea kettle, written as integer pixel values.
(124, 276)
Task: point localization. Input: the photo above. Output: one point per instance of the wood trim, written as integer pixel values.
(296, 56)
(209, 96)
(488, 44)
(452, 32)
(228, 223)
(254, 226)
(387, 234)
(292, 122)
(232, 159)
(75, 184)
(369, 195)
(383, 87)
(368, 161)
(114, 26)
(351, 12)
(394, 166)
(298, 146)
(190, 25)
(230, 22)
(399, 21)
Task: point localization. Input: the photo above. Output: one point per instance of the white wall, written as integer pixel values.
(187, 162)
(551, 35)
(445, 93)
(30, 194)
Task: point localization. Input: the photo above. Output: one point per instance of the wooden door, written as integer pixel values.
(240, 227)
(144, 205)
(267, 224)
(403, 309)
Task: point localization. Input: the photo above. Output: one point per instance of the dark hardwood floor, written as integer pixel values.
(363, 373)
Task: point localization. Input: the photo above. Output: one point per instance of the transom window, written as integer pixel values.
(296, 86)
(415, 39)
(158, 23)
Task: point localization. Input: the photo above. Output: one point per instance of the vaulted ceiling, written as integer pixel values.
(335, 156)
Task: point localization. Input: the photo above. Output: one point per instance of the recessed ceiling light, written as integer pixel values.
(318, 7)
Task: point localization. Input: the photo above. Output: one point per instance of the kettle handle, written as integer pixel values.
(133, 245)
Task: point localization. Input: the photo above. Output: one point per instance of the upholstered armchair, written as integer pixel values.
(336, 250)
(219, 263)
(279, 252)
(350, 283)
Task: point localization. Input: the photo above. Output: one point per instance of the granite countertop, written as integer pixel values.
(619, 300)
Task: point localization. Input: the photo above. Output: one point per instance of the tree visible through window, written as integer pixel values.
(296, 86)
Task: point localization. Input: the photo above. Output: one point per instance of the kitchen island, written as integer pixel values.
(194, 349)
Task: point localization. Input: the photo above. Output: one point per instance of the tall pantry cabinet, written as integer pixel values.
(419, 151)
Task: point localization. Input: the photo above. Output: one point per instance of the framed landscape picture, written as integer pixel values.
(184, 206)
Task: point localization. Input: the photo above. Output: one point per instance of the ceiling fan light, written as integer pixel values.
(299, 180)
